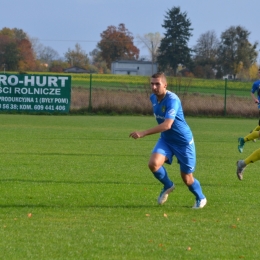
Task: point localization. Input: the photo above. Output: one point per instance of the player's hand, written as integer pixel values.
(256, 101)
(136, 135)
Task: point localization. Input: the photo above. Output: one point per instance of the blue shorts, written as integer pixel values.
(186, 154)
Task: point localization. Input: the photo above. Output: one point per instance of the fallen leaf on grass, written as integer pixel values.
(147, 215)
(165, 215)
(188, 248)
(29, 215)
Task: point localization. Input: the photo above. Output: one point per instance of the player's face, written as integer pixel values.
(158, 86)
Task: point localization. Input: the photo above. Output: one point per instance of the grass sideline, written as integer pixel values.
(76, 187)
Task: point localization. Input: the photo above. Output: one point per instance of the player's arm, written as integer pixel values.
(254, 98)
(164, 126)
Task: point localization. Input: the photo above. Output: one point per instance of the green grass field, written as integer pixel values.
(77, 187)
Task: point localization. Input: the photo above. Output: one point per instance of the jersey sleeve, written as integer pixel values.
(255, 86)
(171, 108)
(253, 89)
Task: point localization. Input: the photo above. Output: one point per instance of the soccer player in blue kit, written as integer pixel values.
(254, 134)
(256, 88)
(176, 139)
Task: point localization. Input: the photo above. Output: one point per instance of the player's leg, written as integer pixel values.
(241, 140)
(195, 188)
(156, 166)
(159, 155)
(257, 128)
(251, 136)
(241, 164)
(187, 159)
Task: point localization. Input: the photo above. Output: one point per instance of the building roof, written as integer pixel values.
(76, 69)
(133, 61)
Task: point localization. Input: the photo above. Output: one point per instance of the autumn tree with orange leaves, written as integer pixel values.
(27, 59)
(117, 43)
(16, 52)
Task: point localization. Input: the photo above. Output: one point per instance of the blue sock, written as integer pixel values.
(162, 176)
(195, 188)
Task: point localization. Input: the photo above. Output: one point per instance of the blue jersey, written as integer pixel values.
(256, 87)
(170, 108)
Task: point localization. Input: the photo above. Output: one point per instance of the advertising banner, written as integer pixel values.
(35, 93)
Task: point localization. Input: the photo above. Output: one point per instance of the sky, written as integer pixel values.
(60, 24)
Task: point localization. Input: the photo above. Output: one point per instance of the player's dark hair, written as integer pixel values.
(159, 75)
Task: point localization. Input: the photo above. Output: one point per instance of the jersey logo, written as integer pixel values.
(163, 109)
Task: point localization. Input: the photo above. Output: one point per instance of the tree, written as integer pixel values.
(206, 55)
(235, 51)
(10, 56)
(97, 61)
(77, 57)
(44, 54)
(58, 66)
(117, 43)
(152, 42)
(254, 71)
(19, 34)
(206, 49)
(9, 52)
(248, 74)
(26, 56)
(16, 50)
(47, 55)
(174, 49)
(8, 32)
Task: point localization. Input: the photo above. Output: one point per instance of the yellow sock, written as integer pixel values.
(253, 157)
(251, 136)
(257, 128)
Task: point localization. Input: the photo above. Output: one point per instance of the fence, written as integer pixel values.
(199, 97)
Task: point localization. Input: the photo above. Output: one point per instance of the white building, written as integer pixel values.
(228, 76)
(133, 67)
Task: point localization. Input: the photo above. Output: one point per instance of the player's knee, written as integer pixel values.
(153, 166)
(187, 178)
